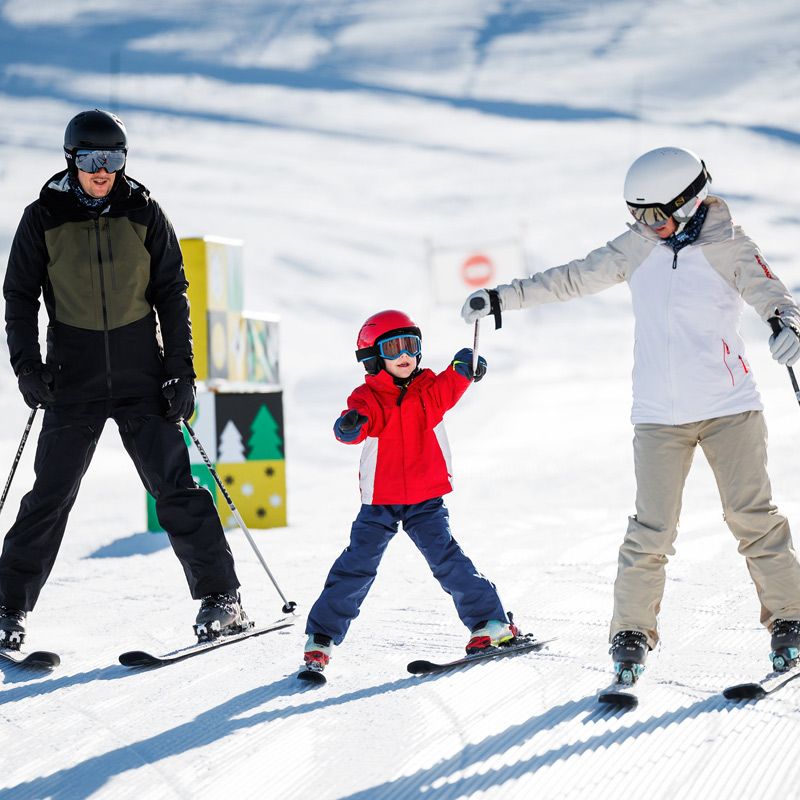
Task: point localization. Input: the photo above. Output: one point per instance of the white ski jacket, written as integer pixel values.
(689, 358)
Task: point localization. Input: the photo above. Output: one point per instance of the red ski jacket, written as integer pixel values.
(406, 457)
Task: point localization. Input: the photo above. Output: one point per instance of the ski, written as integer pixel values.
(39, 659)
(138, 658)
(767, 685)
(620, 695)
(521, 644)
(312, 676)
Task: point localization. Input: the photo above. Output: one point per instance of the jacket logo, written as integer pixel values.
(764, 267)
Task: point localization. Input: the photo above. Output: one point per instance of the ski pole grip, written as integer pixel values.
(477, 303)
(776, 325)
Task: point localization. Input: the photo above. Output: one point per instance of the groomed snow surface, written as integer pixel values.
(336, 139)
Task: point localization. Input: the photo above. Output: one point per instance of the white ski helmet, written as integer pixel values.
(666, 182)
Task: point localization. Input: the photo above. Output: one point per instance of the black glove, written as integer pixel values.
(36, 384)
(179, 394)
(348, 426)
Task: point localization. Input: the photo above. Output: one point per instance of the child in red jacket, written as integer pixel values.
(405, 469)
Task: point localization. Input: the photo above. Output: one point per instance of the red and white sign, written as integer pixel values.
(457, 272)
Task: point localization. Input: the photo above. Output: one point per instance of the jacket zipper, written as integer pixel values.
(111, 259)
(669, 342)
(726, 351)
(105, 308)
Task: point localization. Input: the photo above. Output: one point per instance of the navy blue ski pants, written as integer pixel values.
(428, 526)
(66, 445)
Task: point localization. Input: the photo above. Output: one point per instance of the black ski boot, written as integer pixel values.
(629, 650)
(219, 615)
(785, 644)
(12, 628)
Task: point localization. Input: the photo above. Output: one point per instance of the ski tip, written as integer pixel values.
(44, 660)
(744, 691)
(137, 658)
(619, 700)
(312, 677)
(420, 667)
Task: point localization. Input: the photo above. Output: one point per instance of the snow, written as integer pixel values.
(335, 139)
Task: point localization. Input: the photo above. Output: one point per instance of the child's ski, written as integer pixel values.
(312, 676)
(520, 644)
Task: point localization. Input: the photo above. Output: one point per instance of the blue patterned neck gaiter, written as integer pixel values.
(89, 202)
(690, 231)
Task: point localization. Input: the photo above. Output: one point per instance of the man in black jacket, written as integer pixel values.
(104, 258)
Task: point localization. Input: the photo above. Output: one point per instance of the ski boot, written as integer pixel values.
(491, 633)
(785, 644)
(318, 651)
(629, 650)
(220, 615)
(12, 628)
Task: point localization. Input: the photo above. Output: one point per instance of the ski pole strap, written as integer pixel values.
(494, 308)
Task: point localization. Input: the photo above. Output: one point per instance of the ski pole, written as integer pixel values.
(476, 303)
(288, 606)
(475, 348)
(18, 456)
(776, 329)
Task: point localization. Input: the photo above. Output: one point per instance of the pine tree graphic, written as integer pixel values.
(231, 446)
(265, 442)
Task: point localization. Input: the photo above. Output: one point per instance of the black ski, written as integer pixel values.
(39, 659)
(521, 644)
(137, 658)
(312, 676)
(767, 685)
(620, 695)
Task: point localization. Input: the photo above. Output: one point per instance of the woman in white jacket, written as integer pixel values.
(689, 269)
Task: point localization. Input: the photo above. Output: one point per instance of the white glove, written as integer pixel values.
(477, 305)
(785, 347)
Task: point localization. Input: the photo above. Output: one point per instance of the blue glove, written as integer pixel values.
(179, 394)
(36, 385)
(348, 427)
(462, 364)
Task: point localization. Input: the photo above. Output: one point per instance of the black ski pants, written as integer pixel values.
(66, 445)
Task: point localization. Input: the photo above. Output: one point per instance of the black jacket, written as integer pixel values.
(109, 281)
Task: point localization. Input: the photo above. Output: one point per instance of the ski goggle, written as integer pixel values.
(95, 160)
(682, 207)
(397, 345)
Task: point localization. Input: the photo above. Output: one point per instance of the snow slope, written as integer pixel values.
(335, 139)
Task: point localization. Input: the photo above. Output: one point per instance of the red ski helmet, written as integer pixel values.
(378, 328)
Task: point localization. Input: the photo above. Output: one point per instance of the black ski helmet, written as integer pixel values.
(94, 130)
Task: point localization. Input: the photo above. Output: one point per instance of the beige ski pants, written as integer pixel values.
(736, 449)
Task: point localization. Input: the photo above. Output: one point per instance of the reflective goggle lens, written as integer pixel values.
(397, 345)
(652, 216)
(95, 160)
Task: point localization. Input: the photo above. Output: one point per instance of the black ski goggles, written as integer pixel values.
(95, 160)
(656, 215)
